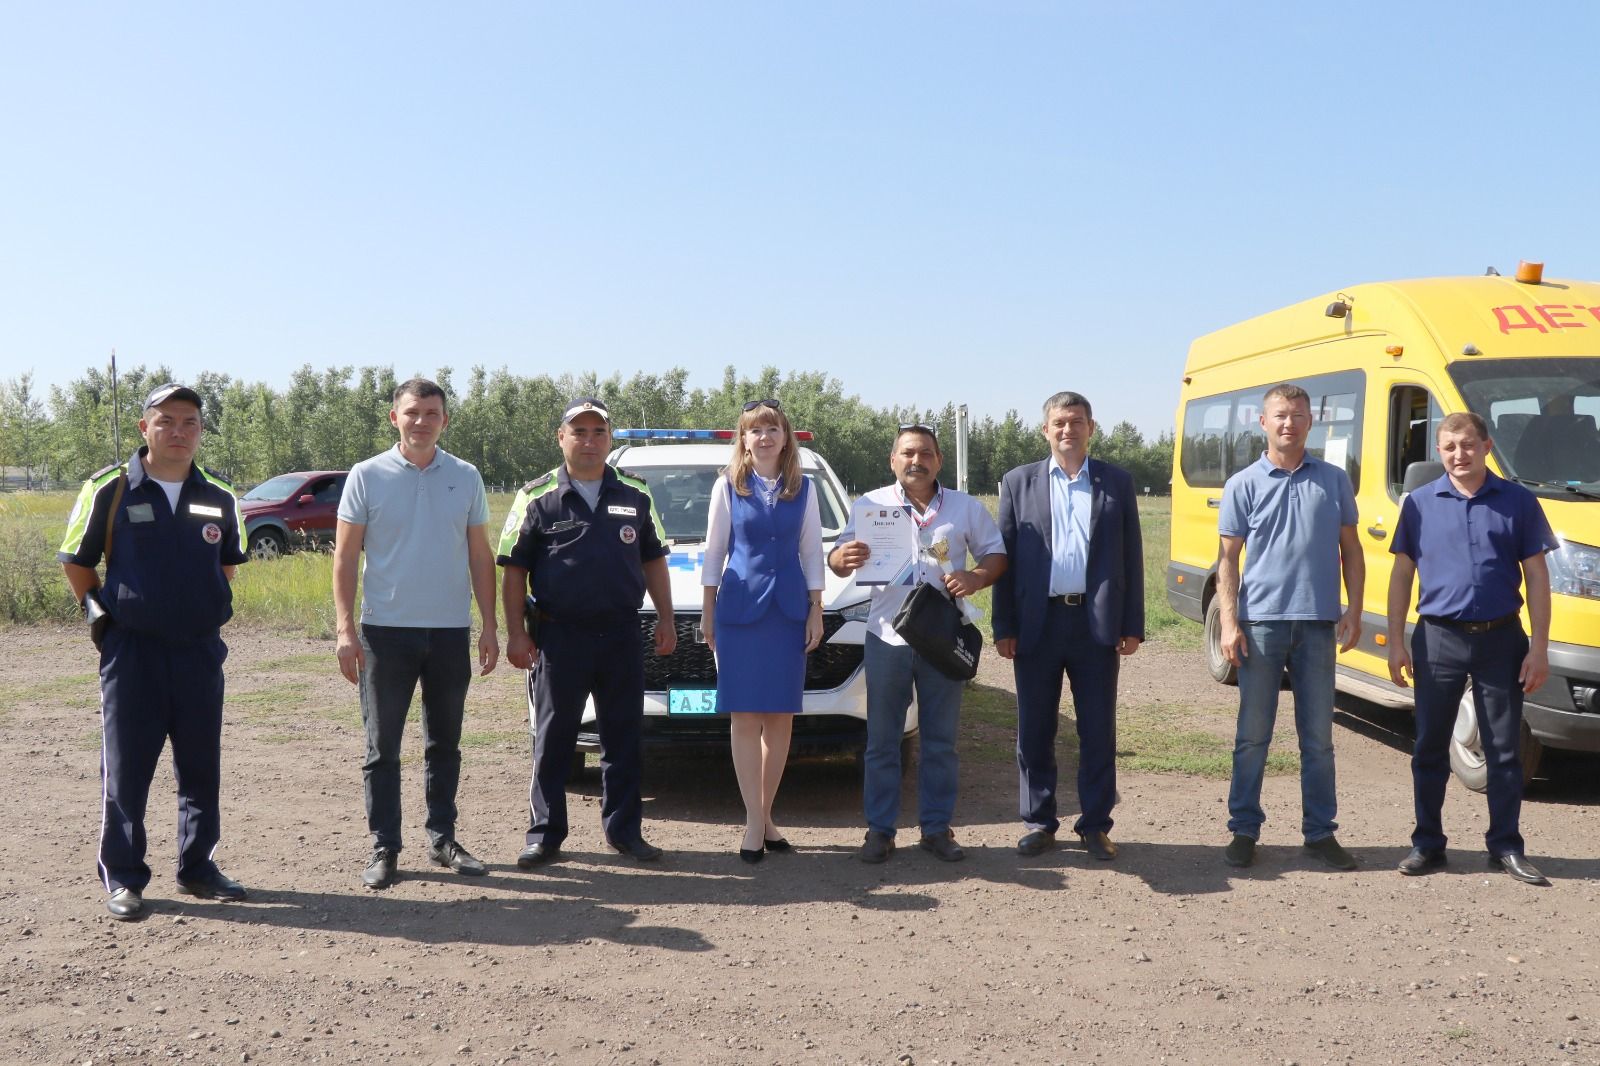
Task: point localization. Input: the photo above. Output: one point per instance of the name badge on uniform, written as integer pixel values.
(141, 512)
(202, 509)
(630, 512)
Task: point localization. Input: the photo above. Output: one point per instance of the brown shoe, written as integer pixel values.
(1099, 845)
(943, 845)
(876, 847)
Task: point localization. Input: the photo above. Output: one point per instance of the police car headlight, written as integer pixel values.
(857, 612)
(1575, 570)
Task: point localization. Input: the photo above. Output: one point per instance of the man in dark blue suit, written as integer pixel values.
(1072, 600)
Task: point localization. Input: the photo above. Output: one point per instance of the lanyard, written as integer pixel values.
(927, 516)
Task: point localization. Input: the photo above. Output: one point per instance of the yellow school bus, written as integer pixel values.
(1383, 363)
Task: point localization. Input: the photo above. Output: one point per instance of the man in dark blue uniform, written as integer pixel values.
(171, 536)
(1475, 540)
(586, 541)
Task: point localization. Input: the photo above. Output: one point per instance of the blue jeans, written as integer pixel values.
(1307, 650)
(1446, 660)
(892, 669)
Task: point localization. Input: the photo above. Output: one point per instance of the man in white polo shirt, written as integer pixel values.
(950, 524)
(420, 516)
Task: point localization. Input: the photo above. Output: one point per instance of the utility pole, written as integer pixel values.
(961, 448)
(116, 415)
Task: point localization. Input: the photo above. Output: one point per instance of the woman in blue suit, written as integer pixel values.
(763, 606)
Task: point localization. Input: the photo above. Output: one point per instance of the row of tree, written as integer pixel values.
(501, 422)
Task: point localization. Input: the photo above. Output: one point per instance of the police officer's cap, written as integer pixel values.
(171, 391)
(583, 404)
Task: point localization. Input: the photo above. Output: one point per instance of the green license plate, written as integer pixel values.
(691, 701)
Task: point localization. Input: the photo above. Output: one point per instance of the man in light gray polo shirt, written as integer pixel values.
(420, 515)
(1294, 517)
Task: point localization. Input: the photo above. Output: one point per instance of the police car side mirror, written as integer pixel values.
(1419, 474)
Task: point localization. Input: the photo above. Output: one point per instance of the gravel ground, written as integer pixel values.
(1166, 955)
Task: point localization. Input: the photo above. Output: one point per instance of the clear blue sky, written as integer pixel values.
(969, 202)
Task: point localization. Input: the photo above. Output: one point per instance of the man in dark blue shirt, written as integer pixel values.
(1473, 539)
(586, 542)
(170, 535)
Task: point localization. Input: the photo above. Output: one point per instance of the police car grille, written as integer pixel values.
(692, 665)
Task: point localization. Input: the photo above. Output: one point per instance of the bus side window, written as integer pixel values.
(1413, 420)
(1203, 454)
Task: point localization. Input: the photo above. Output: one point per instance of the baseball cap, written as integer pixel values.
(585, 403)
(171, 391)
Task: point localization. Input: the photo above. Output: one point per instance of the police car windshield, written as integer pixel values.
(682, 496)
(275, 489)
(1544, 418)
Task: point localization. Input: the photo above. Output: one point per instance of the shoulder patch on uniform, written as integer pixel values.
(215, 478)
(100, 475)
(628, 477)
(543, 479)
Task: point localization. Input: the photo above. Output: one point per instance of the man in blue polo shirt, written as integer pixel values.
(1473, 539)
(420, 516)
(1294, 517)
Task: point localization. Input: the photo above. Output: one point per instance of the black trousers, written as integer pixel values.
(603, 658)
(398, 659)
(1443, 659)
(1091, 669)
(152, 691)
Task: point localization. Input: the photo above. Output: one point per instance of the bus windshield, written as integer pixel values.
(1543, 415)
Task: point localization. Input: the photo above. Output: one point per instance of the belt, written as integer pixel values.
(613, 618)
(1471, 627)
(1071, 599)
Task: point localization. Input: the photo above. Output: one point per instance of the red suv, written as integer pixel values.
(292, 511)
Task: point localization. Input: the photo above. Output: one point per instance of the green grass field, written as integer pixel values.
(292, 594)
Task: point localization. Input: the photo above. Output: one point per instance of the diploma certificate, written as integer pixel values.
(886, 529)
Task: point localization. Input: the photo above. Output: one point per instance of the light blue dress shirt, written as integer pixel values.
(1070, 500)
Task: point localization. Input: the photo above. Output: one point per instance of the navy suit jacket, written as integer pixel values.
(1115, 585)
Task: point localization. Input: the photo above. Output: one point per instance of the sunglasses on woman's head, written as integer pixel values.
(753, 404)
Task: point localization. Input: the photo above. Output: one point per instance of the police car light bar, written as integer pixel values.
(688, 434)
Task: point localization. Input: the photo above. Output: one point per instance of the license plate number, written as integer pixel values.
(692, 701)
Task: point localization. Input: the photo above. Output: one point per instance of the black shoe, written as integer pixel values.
(638, 849)
(214, 886)
(1519, 867)
(1036, 843)
(876, 847)
(1421, 861)
(943, 845)
(380, 869)
(776, 845)
(752, 856)
(1099, 845)
(1241, 850)
(125, 905)
(537, 855)
(1328, 850)
(451, 854)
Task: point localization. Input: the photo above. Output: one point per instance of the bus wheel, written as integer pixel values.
(1466, 749)
(1221, 669)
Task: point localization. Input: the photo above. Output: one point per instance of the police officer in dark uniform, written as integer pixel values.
(171, 536)
(586, 541)
(1476, 542)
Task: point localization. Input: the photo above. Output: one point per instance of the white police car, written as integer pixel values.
(681, 467)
